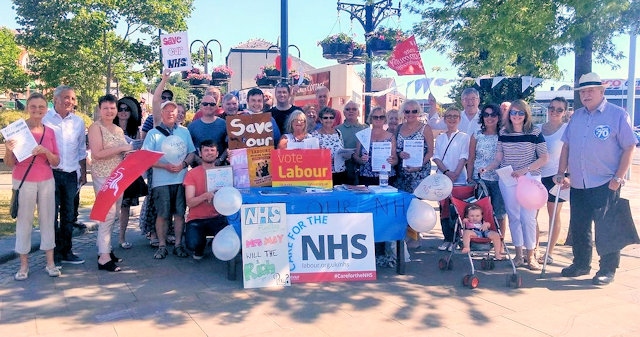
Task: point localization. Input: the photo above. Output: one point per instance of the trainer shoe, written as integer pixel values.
(575, 271)
(72, 258)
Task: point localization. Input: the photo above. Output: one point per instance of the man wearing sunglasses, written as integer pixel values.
(209, 126)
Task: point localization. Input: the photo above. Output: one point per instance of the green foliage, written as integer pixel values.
(13, 76)
(88, 44)
(509, 89)
(8, 116)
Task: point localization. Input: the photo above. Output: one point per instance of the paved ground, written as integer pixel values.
(184, 297)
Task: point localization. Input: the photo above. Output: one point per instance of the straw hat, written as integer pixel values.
(590, 80)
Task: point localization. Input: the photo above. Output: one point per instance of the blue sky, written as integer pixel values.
(236, 21)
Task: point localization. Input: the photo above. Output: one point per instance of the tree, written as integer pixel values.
(13, 76)
(89, 43)
(523, 37)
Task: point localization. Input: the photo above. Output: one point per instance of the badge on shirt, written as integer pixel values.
(602, 132)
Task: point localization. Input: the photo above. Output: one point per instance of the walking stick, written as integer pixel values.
(551, 226)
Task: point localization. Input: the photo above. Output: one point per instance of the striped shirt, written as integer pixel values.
(521, 149)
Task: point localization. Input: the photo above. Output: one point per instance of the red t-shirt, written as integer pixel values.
(197, 177)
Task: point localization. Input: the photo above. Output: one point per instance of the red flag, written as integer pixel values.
(120, 178)
(405, 59)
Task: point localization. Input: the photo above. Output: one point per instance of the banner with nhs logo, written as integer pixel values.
(331, 247)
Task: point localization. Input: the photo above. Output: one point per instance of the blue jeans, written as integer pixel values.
(197, 231)
(66, 190)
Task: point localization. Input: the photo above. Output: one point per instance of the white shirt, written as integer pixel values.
(459, 149)
(71, 139)
(468, 126)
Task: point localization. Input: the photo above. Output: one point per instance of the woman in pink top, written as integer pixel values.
(38, 188)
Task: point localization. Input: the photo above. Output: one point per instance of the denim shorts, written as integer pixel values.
(169, 200)
(497, 203)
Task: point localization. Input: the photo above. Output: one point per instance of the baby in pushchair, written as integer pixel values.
(476, 227)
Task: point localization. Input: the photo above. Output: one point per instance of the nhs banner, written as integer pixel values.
(331, 247)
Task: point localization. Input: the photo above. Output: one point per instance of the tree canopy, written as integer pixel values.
(91, 44)
(13, 76)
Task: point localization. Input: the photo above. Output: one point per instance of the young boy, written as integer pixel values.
(475, 227)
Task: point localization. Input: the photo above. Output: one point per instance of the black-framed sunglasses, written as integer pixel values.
(492, 114)
(558, 110)
(411, 112)
(124, 108)
(517, 113)
(328, 117)
(379, 117)
(208, 104)
(167, 98)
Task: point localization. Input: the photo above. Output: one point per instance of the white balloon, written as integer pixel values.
(421, 216)
(226, 244)
(227, 200)
(175, 150)
(435, 187)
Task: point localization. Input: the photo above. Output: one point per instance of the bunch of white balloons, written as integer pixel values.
(421, 216)
(226, 244)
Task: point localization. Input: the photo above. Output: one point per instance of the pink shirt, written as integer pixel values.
(41, 169)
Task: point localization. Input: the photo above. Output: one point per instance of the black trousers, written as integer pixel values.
(66, 190)
(589, 206)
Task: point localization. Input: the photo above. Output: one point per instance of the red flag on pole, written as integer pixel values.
(120, 178)
(405, 58)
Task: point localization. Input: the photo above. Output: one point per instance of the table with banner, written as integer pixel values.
(388, 210)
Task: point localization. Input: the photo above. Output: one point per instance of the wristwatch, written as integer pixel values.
(619, 180)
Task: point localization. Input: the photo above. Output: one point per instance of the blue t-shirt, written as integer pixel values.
(153, 141)
(215, 131)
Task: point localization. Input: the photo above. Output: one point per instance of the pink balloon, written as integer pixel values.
(530, 193)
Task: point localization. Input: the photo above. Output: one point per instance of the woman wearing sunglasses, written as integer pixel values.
(552, 131)
(330, 138)
(521, 146)
(362, 156)
(409, 177)
(482, 151)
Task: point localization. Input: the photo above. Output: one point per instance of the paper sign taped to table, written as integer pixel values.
(264, 245)
(331, 247)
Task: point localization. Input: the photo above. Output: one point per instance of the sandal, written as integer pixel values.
(533, 265)
(179, 251)
(53, 271)
(161, 253)
(155, 243)
(549, 259)
(21, 275)
(109, 266)
(519, 262)
(113, 257)
(125, 245)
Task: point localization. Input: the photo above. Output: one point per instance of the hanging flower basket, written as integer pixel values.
(219, 81)
(221, 72)
(382, 41)
(196, 78)
(270, 71)
(359, 55)
(265, 82)
(294, 78)
(339, 46)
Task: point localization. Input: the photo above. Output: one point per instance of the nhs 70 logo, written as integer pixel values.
(602, 132)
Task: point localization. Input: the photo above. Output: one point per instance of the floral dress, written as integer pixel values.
(408, 181)
(485, 153)
(334, 143)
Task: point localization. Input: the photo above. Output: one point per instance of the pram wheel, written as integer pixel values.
(465, 280)
(470, 281)
(445, 263)
(514, 281)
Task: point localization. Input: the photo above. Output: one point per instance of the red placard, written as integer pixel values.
(301, 168)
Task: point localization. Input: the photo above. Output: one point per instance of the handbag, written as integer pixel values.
(15, 195)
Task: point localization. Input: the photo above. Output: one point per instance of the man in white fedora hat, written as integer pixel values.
(597, 151)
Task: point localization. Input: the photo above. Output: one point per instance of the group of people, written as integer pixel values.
(475, 142)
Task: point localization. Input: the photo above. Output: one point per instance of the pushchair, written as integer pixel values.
(452, 210)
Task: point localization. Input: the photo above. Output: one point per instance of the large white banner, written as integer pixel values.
(335, 247)
(175, 51)
(264, 245)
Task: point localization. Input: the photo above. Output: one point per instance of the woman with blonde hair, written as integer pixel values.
(409, 177)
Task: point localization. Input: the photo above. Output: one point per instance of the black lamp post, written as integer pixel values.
(369, 15)
(208, 54)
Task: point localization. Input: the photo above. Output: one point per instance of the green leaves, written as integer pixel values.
(12, 75)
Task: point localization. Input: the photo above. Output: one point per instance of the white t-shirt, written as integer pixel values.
(554, 147)
(459, 149)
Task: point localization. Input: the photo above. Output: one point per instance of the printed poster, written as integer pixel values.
(175, 51)
(415, 149)
(331, 247)
(219, 177)
(301, 168)
(264, 245)
(246, 131)
(240, 166)
(25, 143)
(380, 152)
(259, 159)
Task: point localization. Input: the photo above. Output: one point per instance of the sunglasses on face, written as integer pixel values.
(167, 98)
(451, 116)
(351, 109)
(486, 114)
(516, 113)
(379, 117)
(558, 110)
(411, 112)
(208, 104)
(124, 108)
(328, 117)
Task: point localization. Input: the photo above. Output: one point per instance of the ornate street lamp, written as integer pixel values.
(207, 52)
(369, 15)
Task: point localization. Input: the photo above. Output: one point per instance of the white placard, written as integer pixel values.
(25, 143)
(175, 51)
(380, 152)
(333, 247)
(219, 177)
(264, 245)
(415, 149)
(504, 174)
